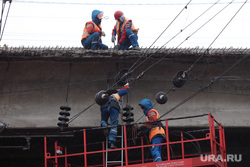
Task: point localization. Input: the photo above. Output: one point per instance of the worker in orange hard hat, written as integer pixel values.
(126, 32)
(92, 33)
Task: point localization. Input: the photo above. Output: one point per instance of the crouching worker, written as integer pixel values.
(92, 33)
(155, 129)
(111, 110)
(126, 32)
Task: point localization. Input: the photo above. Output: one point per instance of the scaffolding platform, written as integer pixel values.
(186, 156)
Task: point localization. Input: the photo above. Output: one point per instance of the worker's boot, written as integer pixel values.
(112, 145)
(136, 48)
(106, 131)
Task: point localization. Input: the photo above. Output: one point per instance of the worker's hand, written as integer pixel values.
(103, 33)
(113, 38)
(127, 84)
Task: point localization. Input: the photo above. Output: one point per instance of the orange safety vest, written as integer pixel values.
(118, 32)
(155, 129)
(86, 34)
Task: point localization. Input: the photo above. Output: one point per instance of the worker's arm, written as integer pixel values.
(91, 29)
(124, 90)
(114, 31)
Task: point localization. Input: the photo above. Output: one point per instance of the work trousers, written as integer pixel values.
(156, 150)
(131, 39)
(113, 114)
(93, 42)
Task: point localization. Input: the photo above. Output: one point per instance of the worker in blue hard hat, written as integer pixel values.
(92, 33)
(126, 32)
(111, 110)
(155, 129)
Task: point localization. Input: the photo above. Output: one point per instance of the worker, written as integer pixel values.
(92, 33)
(155, 129)
(111, 110)
(126, 32)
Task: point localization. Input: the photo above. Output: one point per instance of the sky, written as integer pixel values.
(60, 23)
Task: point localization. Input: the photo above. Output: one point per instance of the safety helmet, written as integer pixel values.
(118, 14)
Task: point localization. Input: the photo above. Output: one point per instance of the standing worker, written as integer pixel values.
(92, 33)
(155, 129)
(111, 110)
(126, 32)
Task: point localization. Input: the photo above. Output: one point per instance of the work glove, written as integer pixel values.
(127, 84)
(113, 38)
(103, 33)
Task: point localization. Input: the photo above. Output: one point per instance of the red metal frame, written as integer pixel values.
(185, 160)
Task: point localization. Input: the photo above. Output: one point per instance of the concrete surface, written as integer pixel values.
(32, 91)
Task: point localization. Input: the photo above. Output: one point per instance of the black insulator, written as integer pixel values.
(127, 113)
(66, 113)
(121, 79)
(64, 107)
(101, 97)
(161, 97)
(128, 119)
(62, 124)
(180, 79)
(63, 119)
(128, 108)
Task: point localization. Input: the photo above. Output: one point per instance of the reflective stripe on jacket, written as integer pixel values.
(86, 34)
(153, 115)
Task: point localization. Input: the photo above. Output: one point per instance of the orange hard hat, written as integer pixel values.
(118, 14)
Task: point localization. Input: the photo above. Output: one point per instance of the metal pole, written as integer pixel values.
(45, 151)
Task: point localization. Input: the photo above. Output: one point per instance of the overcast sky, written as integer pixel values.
(60, 22)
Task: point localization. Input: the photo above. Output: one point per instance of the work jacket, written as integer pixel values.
(155, 127)
(96, 28)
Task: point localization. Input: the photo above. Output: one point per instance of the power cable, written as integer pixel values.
(142, 73)
(78, 114)
(3, 6)
(188, 38)
(130, 69)
(161, 33)
(176, 34)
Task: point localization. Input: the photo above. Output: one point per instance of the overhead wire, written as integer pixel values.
(191, 67)
(175, 35)
(186, 39)
(139, 76)
(142, 73)
(3, 6)
(185, 7)
(204, 87)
